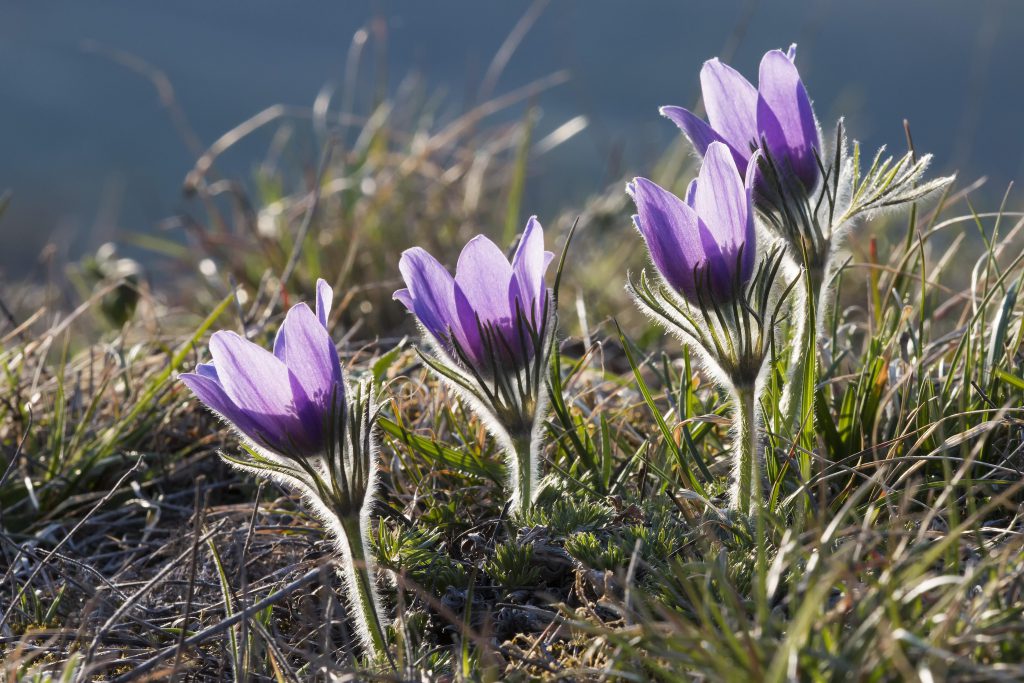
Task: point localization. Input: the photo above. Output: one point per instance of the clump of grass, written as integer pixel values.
(417, 554)
(565, 515)
(512, 565)
(587, 548)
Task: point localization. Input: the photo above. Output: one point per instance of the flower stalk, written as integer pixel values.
(359, 572)
(802, 368)
(747, 445)
(525, 471)
(812, 225)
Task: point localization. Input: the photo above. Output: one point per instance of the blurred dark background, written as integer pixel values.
(90, 153)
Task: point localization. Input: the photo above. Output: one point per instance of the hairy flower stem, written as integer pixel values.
(747, 451)
(803, 350)
(521, 457)
(358, 571)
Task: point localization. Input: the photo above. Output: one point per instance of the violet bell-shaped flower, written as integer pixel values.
(492, 313)
(304, 431)
(491, 328)
(704, 247)
(777, 112)
(283, 401)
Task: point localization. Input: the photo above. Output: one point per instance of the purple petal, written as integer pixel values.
(483, 276)
(720, 267)
(528, 267)
(253, 378)
(430, 295)
(207, 370)
(324, 298)
(723, 204)
(722, 201)
(750, 238)
(305, 347)
(404, 296)
(691, 193)
(791, 52)
(731, 103)
(700, 134)
(211, 393)
(259, 384)
(670, 228)
(785, 118)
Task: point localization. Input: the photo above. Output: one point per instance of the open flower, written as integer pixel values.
(283, 401)
(492, 312)
(304, 430)
(704, 247)
(740, 116)
(491, 328)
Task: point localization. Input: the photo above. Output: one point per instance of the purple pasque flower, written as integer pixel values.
(492, 312)
(281, 401)
(778, 110)
(703, 246)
